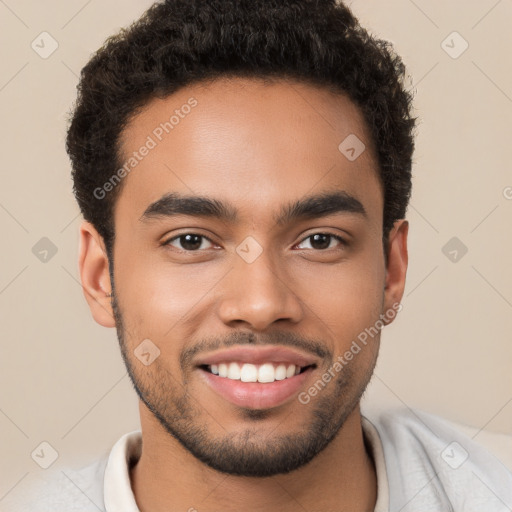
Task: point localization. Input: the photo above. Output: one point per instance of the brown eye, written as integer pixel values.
(188, 242)
(322, 241)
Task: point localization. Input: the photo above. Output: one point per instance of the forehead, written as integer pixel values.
(250, 143)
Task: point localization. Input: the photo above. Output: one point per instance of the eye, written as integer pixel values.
(188, 242)
(322, 241)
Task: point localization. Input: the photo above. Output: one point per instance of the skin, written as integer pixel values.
(258, 147)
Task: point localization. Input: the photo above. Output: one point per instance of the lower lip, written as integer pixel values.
(256, 395)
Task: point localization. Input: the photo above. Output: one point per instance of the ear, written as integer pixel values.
(396, 268)
(94, 275)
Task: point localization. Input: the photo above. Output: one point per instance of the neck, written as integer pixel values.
(167, 478)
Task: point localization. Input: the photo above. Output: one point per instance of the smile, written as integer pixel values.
(247, 372)
(256, 377)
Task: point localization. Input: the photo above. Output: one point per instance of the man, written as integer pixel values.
(244, 170)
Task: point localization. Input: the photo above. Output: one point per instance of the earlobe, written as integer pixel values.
(396, 268)
(94, 275)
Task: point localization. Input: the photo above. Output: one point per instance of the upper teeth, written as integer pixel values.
(247, 372)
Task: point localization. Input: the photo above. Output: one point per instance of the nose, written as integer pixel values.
(258, 295)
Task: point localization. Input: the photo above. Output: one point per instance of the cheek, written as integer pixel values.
(343, 299)
(156, 296)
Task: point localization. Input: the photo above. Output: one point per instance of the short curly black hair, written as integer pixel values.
(180, 42)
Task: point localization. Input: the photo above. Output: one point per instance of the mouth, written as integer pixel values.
(263, 373)
(256, 377)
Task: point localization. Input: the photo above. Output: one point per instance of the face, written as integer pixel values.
(249, 248)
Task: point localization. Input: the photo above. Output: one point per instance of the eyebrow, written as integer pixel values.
(309, 207)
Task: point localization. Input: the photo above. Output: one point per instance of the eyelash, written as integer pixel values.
(342, 241)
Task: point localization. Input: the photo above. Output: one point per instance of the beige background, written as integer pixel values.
(449, 352)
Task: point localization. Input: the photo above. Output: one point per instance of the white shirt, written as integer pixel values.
(423, 464)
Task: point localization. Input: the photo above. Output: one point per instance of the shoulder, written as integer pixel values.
(433, 462)
(79, 490)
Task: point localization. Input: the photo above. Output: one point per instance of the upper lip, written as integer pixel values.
(257, 355)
